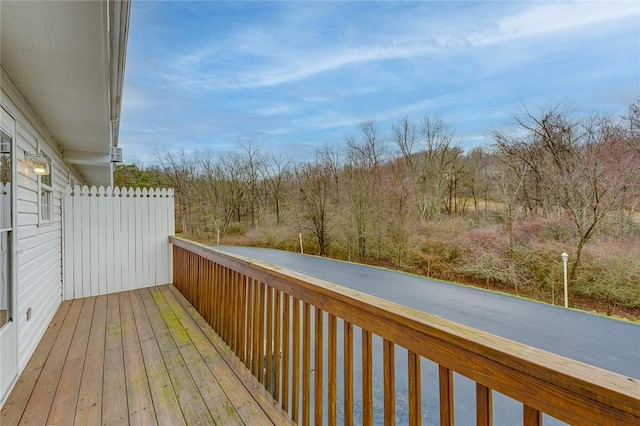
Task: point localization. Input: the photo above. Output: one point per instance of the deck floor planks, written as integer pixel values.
(138, 393)
(41, 399)
(245, 405)
(19, 398)
(66, 398)
(136, 357)
(194, 409)
(165, 401)
(114, 394)
(234, 372)
(89, 406)
(221, 409)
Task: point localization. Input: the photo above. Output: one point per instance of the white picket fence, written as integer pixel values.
(116, 239)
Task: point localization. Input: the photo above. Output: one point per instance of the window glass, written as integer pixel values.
(45, 198)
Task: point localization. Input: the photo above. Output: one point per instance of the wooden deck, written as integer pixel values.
(137, 357)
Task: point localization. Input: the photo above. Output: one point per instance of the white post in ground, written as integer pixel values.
(218, 237)
(565, 258)
(301, 249)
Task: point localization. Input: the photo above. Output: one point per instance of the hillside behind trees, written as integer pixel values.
(409, 197)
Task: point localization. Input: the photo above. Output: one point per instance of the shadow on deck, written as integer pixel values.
(139, 357)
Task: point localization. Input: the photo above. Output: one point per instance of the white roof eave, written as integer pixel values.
(68, 58)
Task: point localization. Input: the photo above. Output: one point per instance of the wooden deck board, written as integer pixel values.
(228, 378)
(66, 398)
(138, 393)
(137, 357)
(39, 405)
(193, 407)
(89, 406)
(16, 403)
(114, 395)
(164, 398)
(221, 409)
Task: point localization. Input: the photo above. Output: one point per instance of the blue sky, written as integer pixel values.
(295, 75)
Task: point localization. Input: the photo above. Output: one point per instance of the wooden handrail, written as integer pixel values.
(568, 390)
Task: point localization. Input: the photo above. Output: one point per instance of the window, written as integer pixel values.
(45, 198)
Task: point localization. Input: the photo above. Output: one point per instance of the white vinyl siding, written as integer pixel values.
(39, 248)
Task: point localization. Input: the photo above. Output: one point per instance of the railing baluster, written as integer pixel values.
(277, 352)
(216, 297)
(204, 282)
(200, 284)
(318, 350)
(484, 406)
(445, 376)
(388, 360)
(242, 320)
(367, 378)
(531, 416)
(217, 285)
(306, 363)
(233, 326)
(256, 331)
(220, 309)
(295, 392)
(229, 308)
(332, 374)
(269, 341)
(261, 340)
(248, 361)
(348, 373)
(286, 325)
(226, 298)
(415, 390)
(238, 314)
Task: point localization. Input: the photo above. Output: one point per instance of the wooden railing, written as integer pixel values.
(249, 303)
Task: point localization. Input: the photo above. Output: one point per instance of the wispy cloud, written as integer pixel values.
(215, 72)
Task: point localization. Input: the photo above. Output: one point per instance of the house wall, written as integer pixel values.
(39, 246)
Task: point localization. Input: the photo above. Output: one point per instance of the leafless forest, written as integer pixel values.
(409, 197)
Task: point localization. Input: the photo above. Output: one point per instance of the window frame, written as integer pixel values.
(45, 189)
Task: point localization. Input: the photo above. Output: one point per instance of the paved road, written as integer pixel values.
(603, 342)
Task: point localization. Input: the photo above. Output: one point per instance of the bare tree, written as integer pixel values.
(372, 149)
(436, 158)
(275, 172)
(405, 136)
(362, 178)
(181, 170)
(254, 163)
(234, 183)
(578, 166)
(314, 188)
